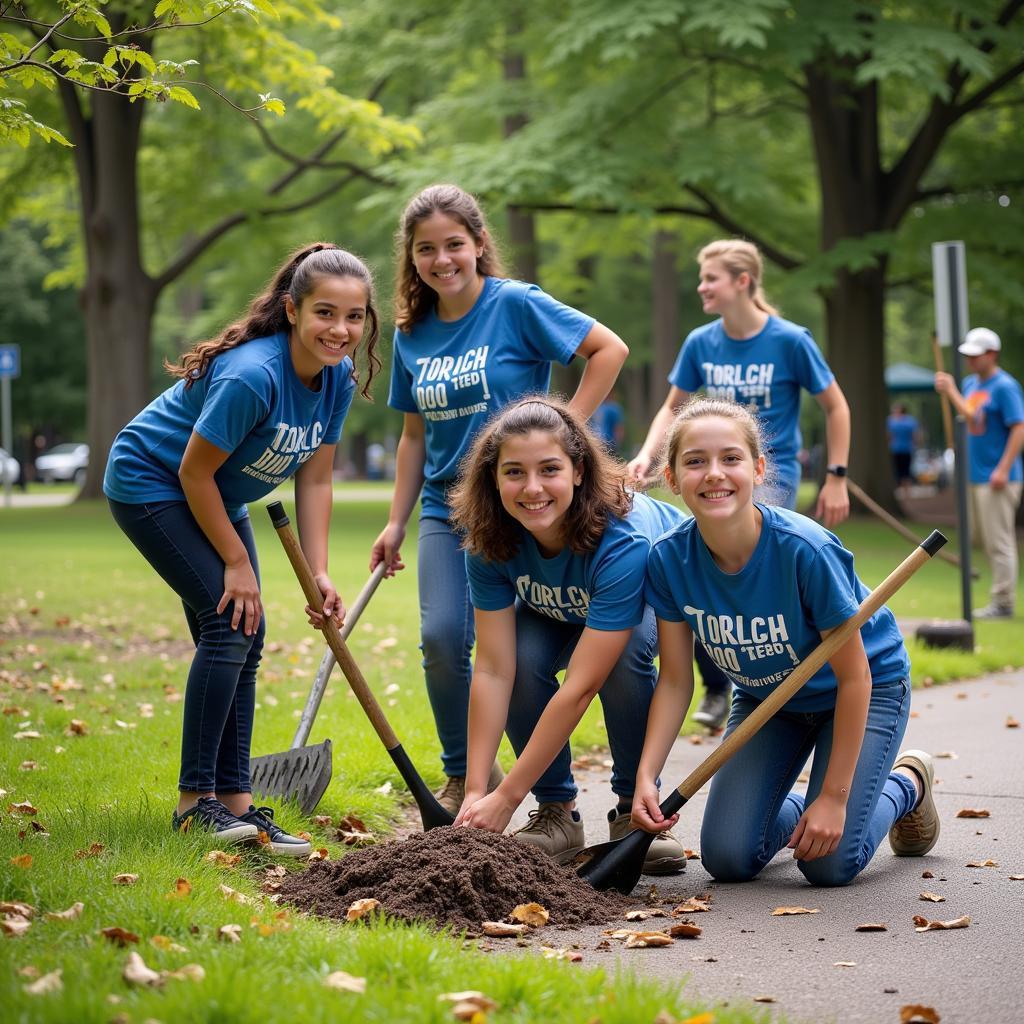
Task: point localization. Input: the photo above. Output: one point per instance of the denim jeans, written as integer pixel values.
(446, 637)
(544, 647)
(220, 694)
(751, 812)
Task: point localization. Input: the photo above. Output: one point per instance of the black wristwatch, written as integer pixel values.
(836, 470)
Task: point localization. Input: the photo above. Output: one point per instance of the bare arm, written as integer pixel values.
(640, 467)
(409, 462)
(945, 384)
(1000, 476)
(314, 497)
(605, 352)
(833, 500)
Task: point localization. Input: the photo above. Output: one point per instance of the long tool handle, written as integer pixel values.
(947, 412)
(750, 725)
(330, 630)
(327, 663)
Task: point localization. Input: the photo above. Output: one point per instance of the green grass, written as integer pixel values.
(89, 633)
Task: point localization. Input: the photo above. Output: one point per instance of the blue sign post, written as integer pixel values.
(10, 367)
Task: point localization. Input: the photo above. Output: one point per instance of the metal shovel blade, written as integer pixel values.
(614, 865)
(301, 775)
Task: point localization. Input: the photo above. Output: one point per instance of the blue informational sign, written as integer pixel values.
(10, 361)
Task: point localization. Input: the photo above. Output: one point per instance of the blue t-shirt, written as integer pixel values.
(456, 374)
(762, 621)
(607, 419)
(603, 589)
(998, 405)
(901, 434)
(765, 372)
(251, 403)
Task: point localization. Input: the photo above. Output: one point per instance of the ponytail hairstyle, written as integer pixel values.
(738, 257)
(413, 298)
(476, 504)
(266, 314)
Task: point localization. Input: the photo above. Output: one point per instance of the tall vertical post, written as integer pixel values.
(10, 367)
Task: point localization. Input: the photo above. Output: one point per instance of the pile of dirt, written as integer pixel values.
(450, 876)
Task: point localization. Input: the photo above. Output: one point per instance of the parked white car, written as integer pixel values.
(9, 468)
(63, 462)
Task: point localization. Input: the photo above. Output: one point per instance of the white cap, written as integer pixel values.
(979, 340)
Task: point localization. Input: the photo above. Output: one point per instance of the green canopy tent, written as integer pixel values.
(907, 377)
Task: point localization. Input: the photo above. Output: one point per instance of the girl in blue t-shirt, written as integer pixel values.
(263, 401)
(557, 557)
(467, 341)
(760, 587)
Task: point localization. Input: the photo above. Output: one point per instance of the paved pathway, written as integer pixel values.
(968, 975)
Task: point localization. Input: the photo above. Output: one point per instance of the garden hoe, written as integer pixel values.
(431, 812)
(619, 864)
(302, 773)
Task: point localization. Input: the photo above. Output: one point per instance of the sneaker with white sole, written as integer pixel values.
(713, 711)
(665, 856)
(278, 840)
(453, 792)
(917, 832)
(208, 814)
(994, 611)
(553, 830)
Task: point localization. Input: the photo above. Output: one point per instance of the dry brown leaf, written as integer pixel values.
(502, 929)
(691, 854)
(970, 812)
(642, 915)
(871, 927)
(344, 982)
(1017, 878)
(694, 905)
(23, 808)
(949, 755)
(280, 923)
(76, 727)
(234, 896)
(182, 887)
(323, 820)
(360, 908)
(845, 963)
(46, 984)
(551, 953)
(982, 864)
(70, 914)
(125, 878)
(922, 924)
(28, 971)
(790, 911)
(931, 897)
(321, 854)
(230, 933)
(764, 999)
(352, 832)
(223, 859)
(532, 914)
(1011, 722)
(14, 925)
(28, 734)
(188, 972)
(618, 933)
(685, 930)
(94, 850)
(167, 944)
(277, 871)
(643, 940)
(137, 973)
(28, 766)
(119, 936)
(468, 1004)
(16, 907)
(917, 1014)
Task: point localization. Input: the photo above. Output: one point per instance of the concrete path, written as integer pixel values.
(967, 975)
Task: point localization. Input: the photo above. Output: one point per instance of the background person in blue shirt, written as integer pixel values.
(752, 356)
(263, 401)
(903, 432)
(467, 341)
(609, 423)
(761, 587)
(557, 561)
(993, 406)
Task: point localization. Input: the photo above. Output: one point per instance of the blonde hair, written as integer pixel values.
(740, 257)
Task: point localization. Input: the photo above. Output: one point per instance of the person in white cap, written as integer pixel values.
(992, 403)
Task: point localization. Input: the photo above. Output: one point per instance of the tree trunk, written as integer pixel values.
(665, 326)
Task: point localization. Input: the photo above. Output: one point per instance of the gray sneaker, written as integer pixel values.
(553, 830)
(917, 832)
(665, 856)
(994, 611)
(453, 792)
(714, 709)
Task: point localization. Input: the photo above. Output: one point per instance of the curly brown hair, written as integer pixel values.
(476, 505)
(266, 314)
(414, 299)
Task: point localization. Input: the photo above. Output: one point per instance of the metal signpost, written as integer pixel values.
(10, 367)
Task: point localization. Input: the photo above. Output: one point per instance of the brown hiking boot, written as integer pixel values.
(453, 792)
(665, 856)
(553, 830)
(917, 832)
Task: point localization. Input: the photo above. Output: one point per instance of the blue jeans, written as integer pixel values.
(544, 647)
(446, 637)
(220, 694)
(751, 812)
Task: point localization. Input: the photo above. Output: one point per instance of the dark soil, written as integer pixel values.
(450, 876)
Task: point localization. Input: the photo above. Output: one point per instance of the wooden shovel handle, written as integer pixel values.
(331, 632)
(750, 725)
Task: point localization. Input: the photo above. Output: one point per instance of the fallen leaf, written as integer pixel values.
(167, 944)
(360, 908)
(685, 930)
(845, 963)
(922, 924)
(28, 734)
(126, 878)
(764, 999)
(532, 914)
(188, 972)
(321, 854)
(15, 907)
(277, 871)
(642, 915)
(916, 1014)
(927, 874)
(1017, 878)
(76, 727)
(182, 887)
(618, 933)
(644, 940)
(969, 812)
(352, 832)
(932, 897)
(234, 896)
(871, 927)
(502, 929)
(1011, 722)
(46, 984)
(789, 911)
(691, 854)
(700, 1018)
(982, 864)
(28, 766)
(230, 933)
(551, 953)
(95, 849)
(323, 820)
(119, 936)
(344, 982)
(468, 1004)
(28, 971)
(70, 914)
(22, 808)
(23, 860)
(14, 925)
(949, 755)
(137, 973)
(694, 905)
(222, 859)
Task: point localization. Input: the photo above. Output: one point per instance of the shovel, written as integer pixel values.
(619, 864)
(431, 812)
(303, 773)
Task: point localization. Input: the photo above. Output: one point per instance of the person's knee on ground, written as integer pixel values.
(726, 858)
